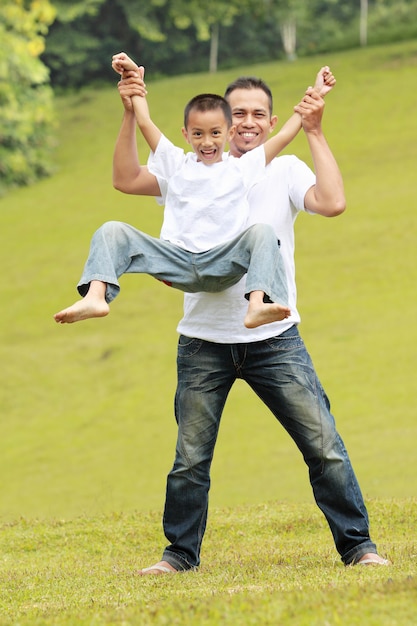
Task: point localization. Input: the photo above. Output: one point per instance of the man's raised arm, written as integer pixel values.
(327, 196)
(129, 176)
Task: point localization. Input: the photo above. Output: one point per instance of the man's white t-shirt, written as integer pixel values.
(205, 205)
(276, 200)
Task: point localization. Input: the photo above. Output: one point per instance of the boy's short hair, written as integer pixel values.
(208, 102)
(250, 82)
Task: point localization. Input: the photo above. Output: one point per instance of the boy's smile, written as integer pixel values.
(207, 133)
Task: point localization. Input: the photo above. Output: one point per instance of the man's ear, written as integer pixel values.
(185, 134)
(273, 122)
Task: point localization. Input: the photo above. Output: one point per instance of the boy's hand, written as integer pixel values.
(325, 81)
(122, 63)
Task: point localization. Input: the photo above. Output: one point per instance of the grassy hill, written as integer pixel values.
(86, 410)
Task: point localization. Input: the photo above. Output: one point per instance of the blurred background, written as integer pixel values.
(86, 410)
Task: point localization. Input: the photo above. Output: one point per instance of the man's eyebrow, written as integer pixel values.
(245, 109)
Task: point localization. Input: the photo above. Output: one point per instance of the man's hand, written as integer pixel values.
(132, 84)
(311, 106)
(311, 110)
(325, 81)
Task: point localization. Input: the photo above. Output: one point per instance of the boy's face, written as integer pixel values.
(252, 119)
(207, 133)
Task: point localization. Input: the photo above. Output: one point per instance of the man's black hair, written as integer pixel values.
(249, 82)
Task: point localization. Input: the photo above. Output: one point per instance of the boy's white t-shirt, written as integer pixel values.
(205, 205)
(276, 200)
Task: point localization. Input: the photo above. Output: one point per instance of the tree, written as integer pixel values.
(289, 37)
(287, 13)
(207, 17)
(26, 100)
(363, 23)
(87, 33)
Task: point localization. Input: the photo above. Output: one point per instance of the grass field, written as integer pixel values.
(267, 564)
(87, 410)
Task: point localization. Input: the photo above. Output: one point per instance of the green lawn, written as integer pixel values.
(266, 565)
(87, 418)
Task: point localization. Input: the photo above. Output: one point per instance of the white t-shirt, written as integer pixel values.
(276, 200)
(205, 205)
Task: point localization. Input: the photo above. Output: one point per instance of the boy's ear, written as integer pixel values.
(185, 134)
(231, 133)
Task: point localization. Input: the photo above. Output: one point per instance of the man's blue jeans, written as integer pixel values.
(281, 373)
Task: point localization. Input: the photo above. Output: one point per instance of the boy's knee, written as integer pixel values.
(111, 228)
(263, 231)
(111, 225)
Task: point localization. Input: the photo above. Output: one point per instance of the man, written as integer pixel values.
(215, 349)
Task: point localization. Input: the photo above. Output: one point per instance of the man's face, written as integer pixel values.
(252, 119)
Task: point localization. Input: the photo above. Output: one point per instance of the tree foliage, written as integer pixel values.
(69, 44)
(179, 36)
(26, 103)
(85, 35)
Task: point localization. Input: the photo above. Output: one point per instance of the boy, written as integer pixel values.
(204, 245)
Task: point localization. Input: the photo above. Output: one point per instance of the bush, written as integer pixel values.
(27, 122)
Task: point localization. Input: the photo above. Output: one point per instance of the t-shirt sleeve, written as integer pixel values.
(163, 163)
(301, 178)
(253, 166)
(163, 186)
(166, 159)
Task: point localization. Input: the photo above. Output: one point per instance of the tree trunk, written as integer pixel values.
(363, 25)
(214, 47)
(289, 38)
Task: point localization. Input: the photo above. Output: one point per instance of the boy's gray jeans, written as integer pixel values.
(118, 248)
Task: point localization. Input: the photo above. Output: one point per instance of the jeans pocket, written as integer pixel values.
(288, 340)
(188, 346)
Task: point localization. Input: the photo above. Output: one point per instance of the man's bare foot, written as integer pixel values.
(82, 310)
(265, 314)
(163, 567)
(371, 558)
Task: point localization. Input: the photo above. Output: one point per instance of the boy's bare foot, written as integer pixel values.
(163, 567)
(265, 314)
(82, 310)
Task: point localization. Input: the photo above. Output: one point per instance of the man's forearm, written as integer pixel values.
(327, 197)
(125, 157)
(128, 175)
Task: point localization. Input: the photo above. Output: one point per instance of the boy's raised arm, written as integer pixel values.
(324, 83)
(121, 63)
